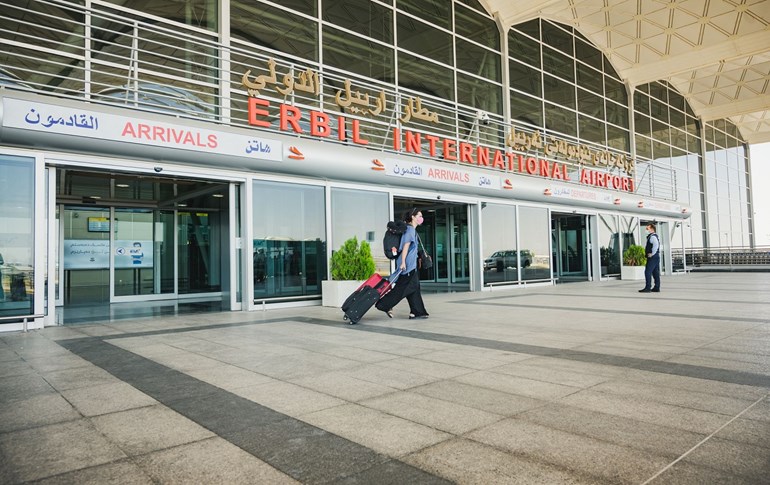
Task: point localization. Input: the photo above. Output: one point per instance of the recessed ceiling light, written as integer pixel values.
(218, 195)
(181, 205)
(122, 186)
(95, 197)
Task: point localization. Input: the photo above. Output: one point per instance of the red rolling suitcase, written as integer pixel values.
(366, 296)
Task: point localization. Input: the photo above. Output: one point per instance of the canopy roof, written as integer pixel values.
(716, 53)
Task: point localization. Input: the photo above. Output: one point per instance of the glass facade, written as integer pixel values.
(169, 58)
(17, 236)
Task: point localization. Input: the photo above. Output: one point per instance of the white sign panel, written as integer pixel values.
(448, 175)
(95, 254)
(50, 118)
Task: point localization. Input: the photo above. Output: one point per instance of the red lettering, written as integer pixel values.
(254, 111)
(565, 172)
(616, 183)
(357, 134)
(290, 115)
(466, 152)
(449, 150)
(158, 132)
(585, 177)
(499, 160)
(625, 184)
(342, 128)
(397, 139)
(188, 138)
(630, 185)
(532, 166)
(482, 153)
(432, 140)
(144, 131)
(556, 174)
(545, 168)
(128, 129)
(319, 124)
(213, 142)
(413, 142)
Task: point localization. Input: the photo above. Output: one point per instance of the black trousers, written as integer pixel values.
(652, 272)
(407, 286)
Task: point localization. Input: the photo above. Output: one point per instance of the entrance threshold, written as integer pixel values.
(115, 312)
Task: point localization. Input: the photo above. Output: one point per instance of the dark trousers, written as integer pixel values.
(407, 286)
(652, 272)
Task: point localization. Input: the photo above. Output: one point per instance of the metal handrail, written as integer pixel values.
(722, 256)
(23, 318)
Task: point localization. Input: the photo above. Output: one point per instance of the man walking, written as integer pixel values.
(652, 268)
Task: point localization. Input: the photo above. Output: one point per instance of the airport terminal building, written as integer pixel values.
(220, 150)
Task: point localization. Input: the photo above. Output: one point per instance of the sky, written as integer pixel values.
(760, 173)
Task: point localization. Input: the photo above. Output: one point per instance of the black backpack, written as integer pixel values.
(392, 241)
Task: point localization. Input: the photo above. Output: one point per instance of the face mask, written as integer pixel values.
(420, 219)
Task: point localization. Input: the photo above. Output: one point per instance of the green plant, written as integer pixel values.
(352, 262)
(634, 256)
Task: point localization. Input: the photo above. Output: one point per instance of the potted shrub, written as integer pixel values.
(634, 260)
(350, 266)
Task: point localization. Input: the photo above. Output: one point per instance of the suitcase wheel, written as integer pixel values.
(344, 317)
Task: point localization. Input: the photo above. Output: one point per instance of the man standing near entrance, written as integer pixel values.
(652, 268)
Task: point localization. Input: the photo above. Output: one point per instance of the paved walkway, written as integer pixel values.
(577, 383)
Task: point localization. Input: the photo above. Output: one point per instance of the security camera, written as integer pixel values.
(483, 117)
(158, 169)
(438, 197)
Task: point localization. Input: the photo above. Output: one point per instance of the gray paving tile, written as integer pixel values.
(160, 428)
(425, 367)
(40, 409)
(382, 432)
(747, 431)
(107, 398)
(687, 474)
(288, 399)
(60, 362)
(15, 367)
(435, 413)
(63, 380)
(479, 359)
(24, 386)
(747, 461)
(760, 412)
(488, 400)
(619, 430)
(557, 376)
(392, 472)
(229, 377)
(717, 388)
(343, 386)
(586, 456)
(517, 385)
(677, 397)
(466, 461)
(212, 460)
(647, 411)
(395, 378)
(51, 450)
(117, 473)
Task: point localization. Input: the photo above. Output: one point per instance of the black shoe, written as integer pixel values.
(655, 290)
(412, 317)
(645, 290)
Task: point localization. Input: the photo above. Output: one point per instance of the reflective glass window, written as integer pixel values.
(478, 93)
(358, 55)
(525, 78)
(557, 38)
(289, 247)
(523, 48)
(590, 104)
(479, 28)
(560, 119)
(425, 40)
(591, 130)
(266, 26)
(609, 244)
(364, 17)
(437, 12)
(534, 240)
(359, 213)
(589, 78)
(17, 236)
(479, 61)
(558, 64)
(498, 244)
(526, 109)
(589, 54)
(615, 90)
(558, 91)
(618, 138)
(424, 76)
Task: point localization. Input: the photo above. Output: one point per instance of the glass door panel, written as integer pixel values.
(134, 253)
(85, 254)
(198, 246)
(459, 221)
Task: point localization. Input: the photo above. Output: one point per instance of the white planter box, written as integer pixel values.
(334, 293)
(632, 272)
